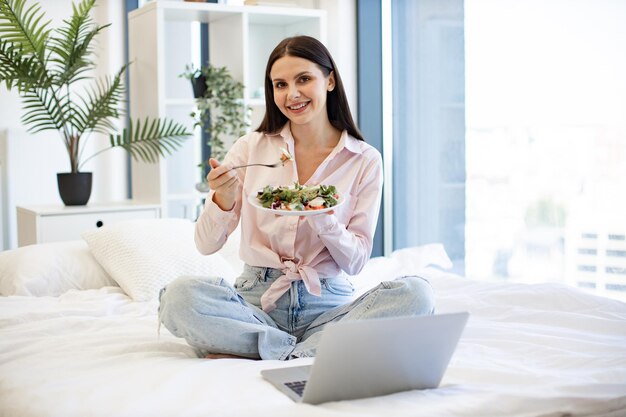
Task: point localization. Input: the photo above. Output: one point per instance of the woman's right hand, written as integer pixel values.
(225, 182)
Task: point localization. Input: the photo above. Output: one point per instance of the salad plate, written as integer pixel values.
(254, 200)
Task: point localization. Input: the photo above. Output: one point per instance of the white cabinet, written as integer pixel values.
(163, 38)
(42, 224)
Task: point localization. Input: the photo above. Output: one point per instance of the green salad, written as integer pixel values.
(298, 197)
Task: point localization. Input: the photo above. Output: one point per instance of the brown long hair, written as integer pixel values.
(337, 105)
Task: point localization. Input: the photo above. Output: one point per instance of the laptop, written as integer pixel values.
(368, 358)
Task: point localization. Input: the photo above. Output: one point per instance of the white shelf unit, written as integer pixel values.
(164, 37)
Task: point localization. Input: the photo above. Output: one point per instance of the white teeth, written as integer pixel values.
(298, 106)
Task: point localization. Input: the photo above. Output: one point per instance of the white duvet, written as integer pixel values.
(528, 350)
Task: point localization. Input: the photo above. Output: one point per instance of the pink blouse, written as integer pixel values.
(307, 249)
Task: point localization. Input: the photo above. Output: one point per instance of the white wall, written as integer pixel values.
(110, 167)
(342, 44)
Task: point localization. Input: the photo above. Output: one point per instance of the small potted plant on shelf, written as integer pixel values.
(220, 110)
(45, 66)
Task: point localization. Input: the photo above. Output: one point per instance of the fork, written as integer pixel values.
(274, 165)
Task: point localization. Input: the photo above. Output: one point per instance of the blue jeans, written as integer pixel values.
(215, 317)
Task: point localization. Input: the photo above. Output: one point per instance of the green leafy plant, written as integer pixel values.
(45, 65)
(220, 110)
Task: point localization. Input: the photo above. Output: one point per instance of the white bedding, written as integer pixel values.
(528, 350)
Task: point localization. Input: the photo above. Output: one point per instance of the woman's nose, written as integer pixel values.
(294, 92)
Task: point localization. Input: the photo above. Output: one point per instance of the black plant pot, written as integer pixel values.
(75, 189)
(199, 86)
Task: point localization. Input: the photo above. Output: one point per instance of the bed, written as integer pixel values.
(79, 337)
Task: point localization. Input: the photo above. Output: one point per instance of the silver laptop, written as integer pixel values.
(367, 358)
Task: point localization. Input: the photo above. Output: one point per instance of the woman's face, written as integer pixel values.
(300, 89)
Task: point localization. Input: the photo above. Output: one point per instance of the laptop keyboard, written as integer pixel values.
(296, 386)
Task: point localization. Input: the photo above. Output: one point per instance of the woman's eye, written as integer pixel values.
(279, 85)
(304, 79)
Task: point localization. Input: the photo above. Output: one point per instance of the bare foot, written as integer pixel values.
(224, 356)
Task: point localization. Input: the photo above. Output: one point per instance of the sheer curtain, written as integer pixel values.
(510, 137)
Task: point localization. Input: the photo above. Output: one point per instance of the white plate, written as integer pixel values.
(305, 213)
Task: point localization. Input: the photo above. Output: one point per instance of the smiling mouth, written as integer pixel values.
(298, 107)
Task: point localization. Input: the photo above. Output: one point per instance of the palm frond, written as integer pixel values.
(150, 139)
(19, 70)
(101, 105)
(23, 27)
(42, 111)
(72, 47)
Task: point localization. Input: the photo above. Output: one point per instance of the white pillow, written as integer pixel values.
(50, 269)
(144, 255)
(417, 258)
(407, 261)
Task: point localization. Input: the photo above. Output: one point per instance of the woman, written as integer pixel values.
(294, 279)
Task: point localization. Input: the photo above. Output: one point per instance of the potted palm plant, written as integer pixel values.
(45, 65)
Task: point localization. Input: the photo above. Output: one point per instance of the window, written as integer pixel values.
(510, 137)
